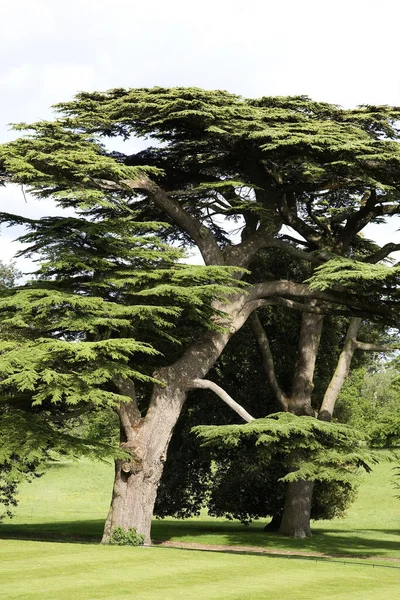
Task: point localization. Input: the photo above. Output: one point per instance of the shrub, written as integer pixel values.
(126, 537)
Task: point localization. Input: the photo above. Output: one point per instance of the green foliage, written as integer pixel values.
(125, 537)
(104, 282)
(109, 289)
(371, 280)
(9, 274)
(314, 450)
(211, 149)
(370, 400)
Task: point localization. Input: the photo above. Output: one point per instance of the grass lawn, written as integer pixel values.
(60, 571)
(71, 500)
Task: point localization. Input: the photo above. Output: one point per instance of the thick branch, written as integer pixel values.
(285, 288)
(293, 305)
(341, 372)
(287, 209)
(358, 220)
(200, 234)
(323, 309)
(206, 384)
(267, 359)
(241, 254)
(129, 413)
(382, 253)
(309, 339)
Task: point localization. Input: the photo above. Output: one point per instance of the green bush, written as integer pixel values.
(126, 537)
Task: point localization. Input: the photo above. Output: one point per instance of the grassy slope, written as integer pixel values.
(48, 571)
(73, 500)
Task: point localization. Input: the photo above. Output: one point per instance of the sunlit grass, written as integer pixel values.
(71, 500)
(55, 571)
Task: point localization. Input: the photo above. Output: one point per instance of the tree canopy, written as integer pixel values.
(233, 177)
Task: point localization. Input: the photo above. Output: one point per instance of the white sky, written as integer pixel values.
(341, 51)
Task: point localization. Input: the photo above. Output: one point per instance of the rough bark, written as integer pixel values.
(147, 438)
(136, 480)
(309, 338)
(296, 515)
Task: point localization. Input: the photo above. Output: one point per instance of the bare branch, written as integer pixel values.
(341, 371)
(343, 367)
(205, 384)
(289, 289)
(267, 359)
(382, 253)
(241, 254)
(293, 305)
(375, 347)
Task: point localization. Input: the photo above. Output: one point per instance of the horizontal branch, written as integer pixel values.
(374, 347)
(293, 305)
(206, 384)
(288, 289)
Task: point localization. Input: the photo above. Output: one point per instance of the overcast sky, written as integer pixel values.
(344, 52)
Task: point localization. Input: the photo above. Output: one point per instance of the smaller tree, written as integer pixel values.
(310, 450)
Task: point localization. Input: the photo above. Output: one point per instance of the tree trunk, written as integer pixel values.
(297, 509)
(296, 515)
(133, 499)
(136, 481)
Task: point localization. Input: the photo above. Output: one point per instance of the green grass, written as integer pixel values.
(71, 500)
(54, 571)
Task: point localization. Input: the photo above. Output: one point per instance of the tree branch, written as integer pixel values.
(267, 359)
(343, 367)
(200, 234)
(341, 371)
(286, 288)
(205, 384)
(241, 254)
(382, 253)
(129, 413)
(374, 347)
(286, 201)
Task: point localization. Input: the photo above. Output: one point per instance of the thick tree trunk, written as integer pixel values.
(133, 499)
(136, 481)
(297, 510)
(296, 515)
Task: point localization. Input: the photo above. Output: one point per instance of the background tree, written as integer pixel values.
(236, 484)
(218, 159)
(370, 399)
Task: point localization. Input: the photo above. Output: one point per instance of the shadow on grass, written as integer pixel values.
(62, 531)
(369, 542)
(340, 542)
